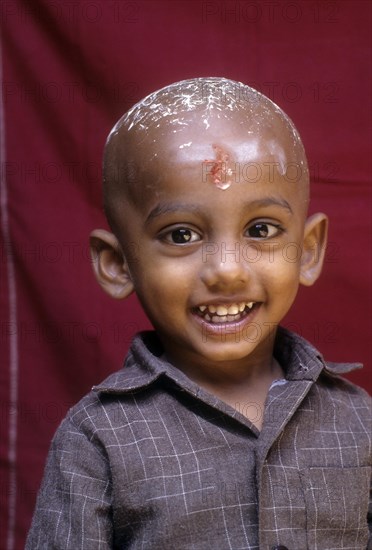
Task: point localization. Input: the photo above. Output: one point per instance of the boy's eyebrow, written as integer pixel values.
(166, 208)
(271, 201)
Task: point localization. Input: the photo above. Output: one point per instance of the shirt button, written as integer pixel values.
(279, 547)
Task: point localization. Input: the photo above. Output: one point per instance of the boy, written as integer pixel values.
(223, 430)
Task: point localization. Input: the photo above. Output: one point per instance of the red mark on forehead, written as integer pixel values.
(216, 171)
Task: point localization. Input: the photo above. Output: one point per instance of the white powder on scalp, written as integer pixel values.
(208, 95)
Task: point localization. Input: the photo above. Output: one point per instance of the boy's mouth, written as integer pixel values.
(231, 313)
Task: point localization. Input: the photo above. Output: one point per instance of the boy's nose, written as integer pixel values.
(224, 267)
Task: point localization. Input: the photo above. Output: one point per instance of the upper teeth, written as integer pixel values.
(232, 309)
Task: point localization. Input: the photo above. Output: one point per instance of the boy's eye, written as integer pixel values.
(263, 230)
(181, 236)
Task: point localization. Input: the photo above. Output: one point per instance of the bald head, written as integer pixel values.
(214, 120)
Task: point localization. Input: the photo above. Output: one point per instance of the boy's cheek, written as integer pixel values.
(284, 263)
(161, 276)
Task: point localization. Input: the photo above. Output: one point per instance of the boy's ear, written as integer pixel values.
(314, 247)
(109, 264)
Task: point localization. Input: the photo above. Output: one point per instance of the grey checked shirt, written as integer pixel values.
(149, 460)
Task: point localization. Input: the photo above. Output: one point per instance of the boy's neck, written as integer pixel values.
(243, 385)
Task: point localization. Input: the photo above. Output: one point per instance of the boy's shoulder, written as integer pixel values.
(143, 367)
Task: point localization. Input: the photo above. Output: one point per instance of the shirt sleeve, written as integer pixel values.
(73, 509)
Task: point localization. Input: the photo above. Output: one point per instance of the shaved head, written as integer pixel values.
(191, 120)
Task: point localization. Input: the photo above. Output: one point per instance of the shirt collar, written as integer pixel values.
(144, 364)
(302, 361)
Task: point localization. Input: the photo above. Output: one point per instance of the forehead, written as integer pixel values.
(230, 145)
(215, 180)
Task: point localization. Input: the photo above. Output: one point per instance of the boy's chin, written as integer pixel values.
(228, 351)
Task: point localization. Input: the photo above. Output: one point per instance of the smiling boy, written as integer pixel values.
(223, 430)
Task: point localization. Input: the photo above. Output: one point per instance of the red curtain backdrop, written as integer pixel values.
(69, 70)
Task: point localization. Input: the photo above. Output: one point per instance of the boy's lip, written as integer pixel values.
(217, 323)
